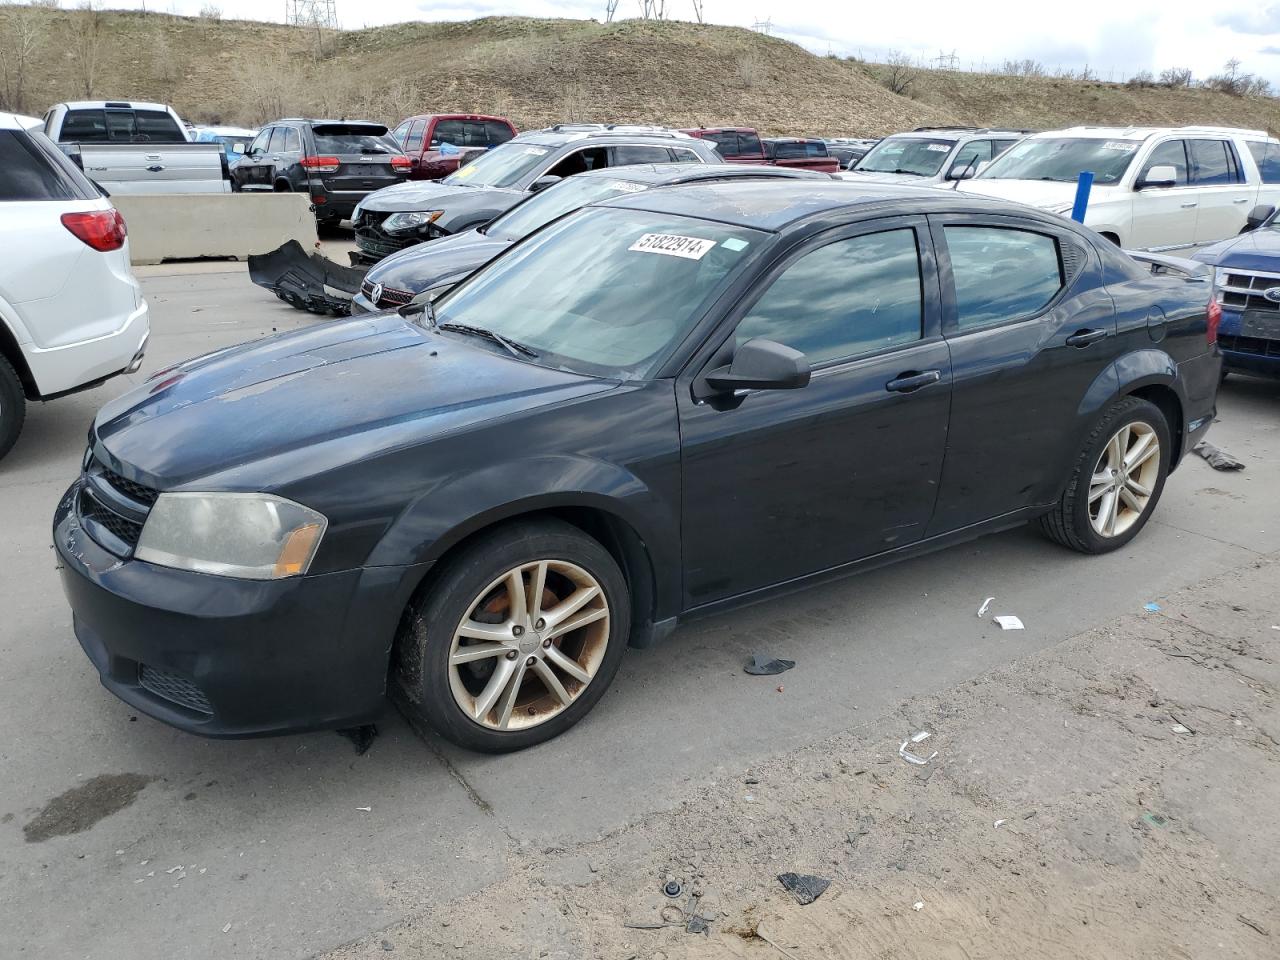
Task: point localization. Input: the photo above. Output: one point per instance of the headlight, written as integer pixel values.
(255, 536)
(402, 222)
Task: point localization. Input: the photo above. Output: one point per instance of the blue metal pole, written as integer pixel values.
(1083, 186)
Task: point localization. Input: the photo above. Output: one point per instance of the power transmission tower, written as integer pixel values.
(321, 14)
(763, 26)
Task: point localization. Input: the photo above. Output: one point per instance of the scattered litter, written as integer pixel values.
(780, 688)
(918, 906)
(227, 928)
(750, 798)
(751, 781)
(203, 869)
(365, 809)
(986, 604)
(672, 888)
(1008, 622)
(1253, 924)
(1029, 814)
(1218, 459)
(141, 880)
(697, 924)
(1152, 607)
(1154, 819)
(1000, 823)
(1179, 728)
(388, 945)
(910, 757)
(1275, 626)
(143, 863)
(761, 665)
(805, 887)
(174, 869)
(361, 737)
(119, 853)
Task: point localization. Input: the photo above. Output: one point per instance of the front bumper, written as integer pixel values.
(224, 657)
(1246, 354)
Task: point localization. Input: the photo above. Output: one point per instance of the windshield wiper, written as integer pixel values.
(516, 348)
(914, 173)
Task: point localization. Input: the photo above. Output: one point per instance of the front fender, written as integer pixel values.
(467, 503)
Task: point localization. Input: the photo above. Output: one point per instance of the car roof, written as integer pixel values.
(773, 206)
(455, 116)
(663, 173)
(959, 133)
(10, 121)
(119, 104)
(717, 130)
(315, 122)
(563, 133)
(1142, 133)
(793, 140)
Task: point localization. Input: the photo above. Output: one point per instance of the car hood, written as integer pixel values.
(1045, 194)
(339, 391)
(1256, 250)
(422, 266)
(425, 195)
(866, 176)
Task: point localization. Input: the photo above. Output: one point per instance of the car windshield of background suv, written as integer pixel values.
(639, 282)
(542, 208)
(917, 157)
(1062, 159)
(503, 166)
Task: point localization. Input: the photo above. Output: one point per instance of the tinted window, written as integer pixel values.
(637, 154)
(1210, 161)
(353, 138)
(86, 126)
(1266, 155)
(749, 143)
(1169, 154)
(158, 127)
(277, 140)
(470, 133)
(26, 174)
(412, 142)
(788, 150)
(976, 153)
(580, 161)
(496, 133)
(1001, 274)
(683, 155)
(447, 131)
(120, 125)
(849, 298)
(292, 140)
(726, 142)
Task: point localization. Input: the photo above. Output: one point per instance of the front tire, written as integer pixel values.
(516, 640)
(13, 406)
(1116, 480)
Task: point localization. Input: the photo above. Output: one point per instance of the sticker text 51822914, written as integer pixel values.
(673, 245)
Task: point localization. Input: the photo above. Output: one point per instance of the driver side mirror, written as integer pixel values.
(962, 171)
(1258, 216)
(761, 364)
(1164, 175)
(549, 180)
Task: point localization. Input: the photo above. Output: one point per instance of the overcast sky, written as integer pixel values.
(1114, 38)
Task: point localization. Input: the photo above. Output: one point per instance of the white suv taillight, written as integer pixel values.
(101, 229)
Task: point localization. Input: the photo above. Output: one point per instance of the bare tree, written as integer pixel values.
(697, 11)
(210, 11)
(1141, 80)
(86, 45)
(901, 73)
(1023, 68)
(22, 33)
(610, 10)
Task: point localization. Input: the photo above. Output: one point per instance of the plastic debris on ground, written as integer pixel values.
(918, 906)
(365, 809)
(999, 823)
(986, 605)
(1154, 819)
(1008, 622)
(1151, 607)
(761, 665)
(1217, 458)
(914, 739)
(805, 887)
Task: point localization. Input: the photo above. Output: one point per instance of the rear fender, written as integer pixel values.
(1133, 371)
(12, 336)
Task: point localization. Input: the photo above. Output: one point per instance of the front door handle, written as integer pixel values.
(1241, 200)
(911, 380)
(1188, 205)
(1082, 338)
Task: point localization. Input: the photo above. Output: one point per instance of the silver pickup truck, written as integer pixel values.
(136, 148)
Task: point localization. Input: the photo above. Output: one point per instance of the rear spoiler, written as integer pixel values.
(1162, 265)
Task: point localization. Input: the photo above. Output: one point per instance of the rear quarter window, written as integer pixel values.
(1267, 156)
(26, 173)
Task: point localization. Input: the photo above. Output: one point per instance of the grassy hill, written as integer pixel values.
(542, 71)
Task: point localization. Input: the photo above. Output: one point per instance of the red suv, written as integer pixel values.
(744, 145)
(437, 143)
(734, 144)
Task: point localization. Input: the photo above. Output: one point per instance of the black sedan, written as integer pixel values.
(650, 410)
(437, 265)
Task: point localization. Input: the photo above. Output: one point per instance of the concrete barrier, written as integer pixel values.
(186, 226)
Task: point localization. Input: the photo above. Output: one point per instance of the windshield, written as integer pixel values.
(1063, 159)
(605, 291)
(916, 156)
(567, 195)
(503, 166)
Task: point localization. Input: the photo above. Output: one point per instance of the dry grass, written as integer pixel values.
(542, 71)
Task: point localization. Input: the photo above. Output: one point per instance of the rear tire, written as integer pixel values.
(13, 406)
(489, 667)
(1116, 480)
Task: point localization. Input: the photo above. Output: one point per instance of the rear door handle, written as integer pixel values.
(1241, 200)
(1188, 205)
(1082, 338)
(909, 381)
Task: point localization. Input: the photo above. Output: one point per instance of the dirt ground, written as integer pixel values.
(1112, 797)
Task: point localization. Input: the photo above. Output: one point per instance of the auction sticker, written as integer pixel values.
(939, 147)
(1123, 146)
(673, 245)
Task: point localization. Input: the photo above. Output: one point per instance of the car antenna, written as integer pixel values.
(955, 184)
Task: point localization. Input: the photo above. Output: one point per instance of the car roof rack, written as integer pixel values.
(618, 128)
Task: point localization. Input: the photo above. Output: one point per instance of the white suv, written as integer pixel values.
(1153, 188)
(71, 313)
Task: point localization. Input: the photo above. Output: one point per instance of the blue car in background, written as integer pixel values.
(235, 140)
(1247, 277)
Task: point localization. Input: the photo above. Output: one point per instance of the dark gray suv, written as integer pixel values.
(410, 213)
(337, 162)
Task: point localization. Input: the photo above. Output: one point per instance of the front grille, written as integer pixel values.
(175, 689)
(124, 529)
(391, 296)
(132, 490)
(1244, 290)
(1250, 345)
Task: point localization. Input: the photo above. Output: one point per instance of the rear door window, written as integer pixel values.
(684, 155)
(634, 153)
(1172, 153)
(412, 142)
(1211, 163)
(1001, 273)
(580, 161)
(1267, 156)
(847, 299)
(26, 173)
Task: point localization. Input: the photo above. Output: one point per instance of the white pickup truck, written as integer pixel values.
(1154, 188)
(136, 148)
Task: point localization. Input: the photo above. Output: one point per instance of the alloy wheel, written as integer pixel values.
(1124, 479)
(529, 645)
